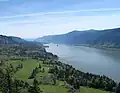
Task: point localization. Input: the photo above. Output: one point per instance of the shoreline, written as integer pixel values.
(100, 47)
(62, 60)
(81, 69)
(90, 46)
(87, 74)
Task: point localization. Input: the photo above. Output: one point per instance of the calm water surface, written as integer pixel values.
(98, 61)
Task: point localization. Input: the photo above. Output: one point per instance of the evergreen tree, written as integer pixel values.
(43, 70)
(118, 88)
(33, 74)
(9, 82)
(39, 65)
(35, 87)
(16, 84)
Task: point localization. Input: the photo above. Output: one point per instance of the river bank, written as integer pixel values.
(97, 61)
(113, 48)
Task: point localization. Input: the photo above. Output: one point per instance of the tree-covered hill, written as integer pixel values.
(108, 37)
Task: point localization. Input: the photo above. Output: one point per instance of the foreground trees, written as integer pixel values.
(118, 89)
(8, 83)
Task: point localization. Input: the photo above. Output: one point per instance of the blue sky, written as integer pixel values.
(35, 18)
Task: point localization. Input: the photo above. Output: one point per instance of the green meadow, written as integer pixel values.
(30, 64)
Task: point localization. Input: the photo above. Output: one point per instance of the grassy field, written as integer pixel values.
(29, 65)
(60, 89)
(53, 89)
(91, 90)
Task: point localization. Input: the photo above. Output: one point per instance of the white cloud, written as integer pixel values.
(58, 25)
(60, 12)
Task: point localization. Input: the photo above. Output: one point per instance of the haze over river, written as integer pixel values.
(98, 61)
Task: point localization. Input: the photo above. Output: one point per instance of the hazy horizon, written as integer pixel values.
(33, 38)
(36, 18)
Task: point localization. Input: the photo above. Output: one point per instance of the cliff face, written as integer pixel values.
(11, 40)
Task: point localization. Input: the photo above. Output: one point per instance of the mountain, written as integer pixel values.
(108, 37)
(11, 40)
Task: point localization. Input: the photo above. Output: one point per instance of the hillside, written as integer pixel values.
(31, 69)
(11, 40)
(108, 37)
(7, 40)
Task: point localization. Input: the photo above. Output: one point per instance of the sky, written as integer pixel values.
(36, 18)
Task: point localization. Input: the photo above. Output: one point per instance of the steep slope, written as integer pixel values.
(10, 40)
(90, 37)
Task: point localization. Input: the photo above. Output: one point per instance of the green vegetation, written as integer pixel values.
(30, 69)
(53, 89)
(27, 69)
(59, 89)
(91, 90)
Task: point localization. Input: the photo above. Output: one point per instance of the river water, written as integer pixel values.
(97, 61)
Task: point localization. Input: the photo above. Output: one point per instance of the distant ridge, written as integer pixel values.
(10, 40)
(15, 40)
(107, 37)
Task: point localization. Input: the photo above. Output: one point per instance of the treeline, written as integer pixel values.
(22, 51)
(36, 71)
(78, 78)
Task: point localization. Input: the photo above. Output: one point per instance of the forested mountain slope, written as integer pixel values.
(108, 37)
